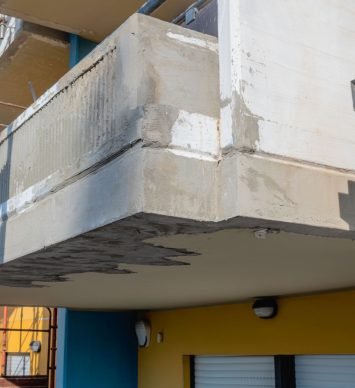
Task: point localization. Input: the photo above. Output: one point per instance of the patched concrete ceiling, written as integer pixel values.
(227, 266)
(90, 19)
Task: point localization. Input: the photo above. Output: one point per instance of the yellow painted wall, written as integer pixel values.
(321, 324)
(19, 342)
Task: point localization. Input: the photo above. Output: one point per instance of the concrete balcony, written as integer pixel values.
(29, 54)
(117, 190)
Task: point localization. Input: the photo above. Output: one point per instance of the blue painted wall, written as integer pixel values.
(97, 350)
(79, 48)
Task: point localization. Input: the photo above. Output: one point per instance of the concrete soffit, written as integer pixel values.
(68, 16)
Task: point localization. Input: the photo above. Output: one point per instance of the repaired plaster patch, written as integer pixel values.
(194, 41)
(195, 132)
(245, 125)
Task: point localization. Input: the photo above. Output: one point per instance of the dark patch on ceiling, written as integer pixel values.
(101, 251)
(124, 242)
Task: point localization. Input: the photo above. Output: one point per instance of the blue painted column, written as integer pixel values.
(61, 348)
(96, 349)
(79, 48)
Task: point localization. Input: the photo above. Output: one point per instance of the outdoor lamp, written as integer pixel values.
(35, 346)
(265, 308)
(143, 333)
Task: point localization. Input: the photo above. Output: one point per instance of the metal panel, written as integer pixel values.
(206, 20)
(325, 371)
(219, 372)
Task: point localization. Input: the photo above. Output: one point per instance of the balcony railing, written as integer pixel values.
(8, 29)
(4, 22)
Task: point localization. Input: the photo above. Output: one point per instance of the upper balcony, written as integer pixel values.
(133, 176)
(32, 58)
(84, 17)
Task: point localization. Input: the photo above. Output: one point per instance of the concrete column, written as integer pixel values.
(79, 48)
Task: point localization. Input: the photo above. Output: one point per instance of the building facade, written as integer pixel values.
(180, 161)
(26, 346)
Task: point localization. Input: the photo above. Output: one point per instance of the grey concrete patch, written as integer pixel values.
(101, 251)
(126, 242)
(245, 125)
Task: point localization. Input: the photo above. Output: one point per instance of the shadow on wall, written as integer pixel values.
(347, 205)
(5, 193)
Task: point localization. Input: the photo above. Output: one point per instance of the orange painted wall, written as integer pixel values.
(19, 342)
(320, 324)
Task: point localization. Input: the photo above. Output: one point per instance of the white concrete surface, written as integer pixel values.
(286, 68)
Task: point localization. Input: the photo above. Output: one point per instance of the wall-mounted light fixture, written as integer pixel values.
(35, 346)
(143, 333)
(265, 308)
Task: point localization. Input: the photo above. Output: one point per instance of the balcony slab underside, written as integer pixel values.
(84, 17)
(115, 193)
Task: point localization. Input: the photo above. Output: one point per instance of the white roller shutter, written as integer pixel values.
(219, 372)
(325, 371)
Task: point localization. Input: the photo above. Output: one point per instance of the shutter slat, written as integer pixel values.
(325, 371)
(236, 372)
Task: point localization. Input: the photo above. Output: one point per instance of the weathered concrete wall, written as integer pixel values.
(286, 112)
(127, 147)
(81, 154)
(287, 68)
(141, 85)
(270, 189)
(134, 129)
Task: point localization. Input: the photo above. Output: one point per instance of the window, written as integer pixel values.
(18, 364)
(326, 371)
(213, 372)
